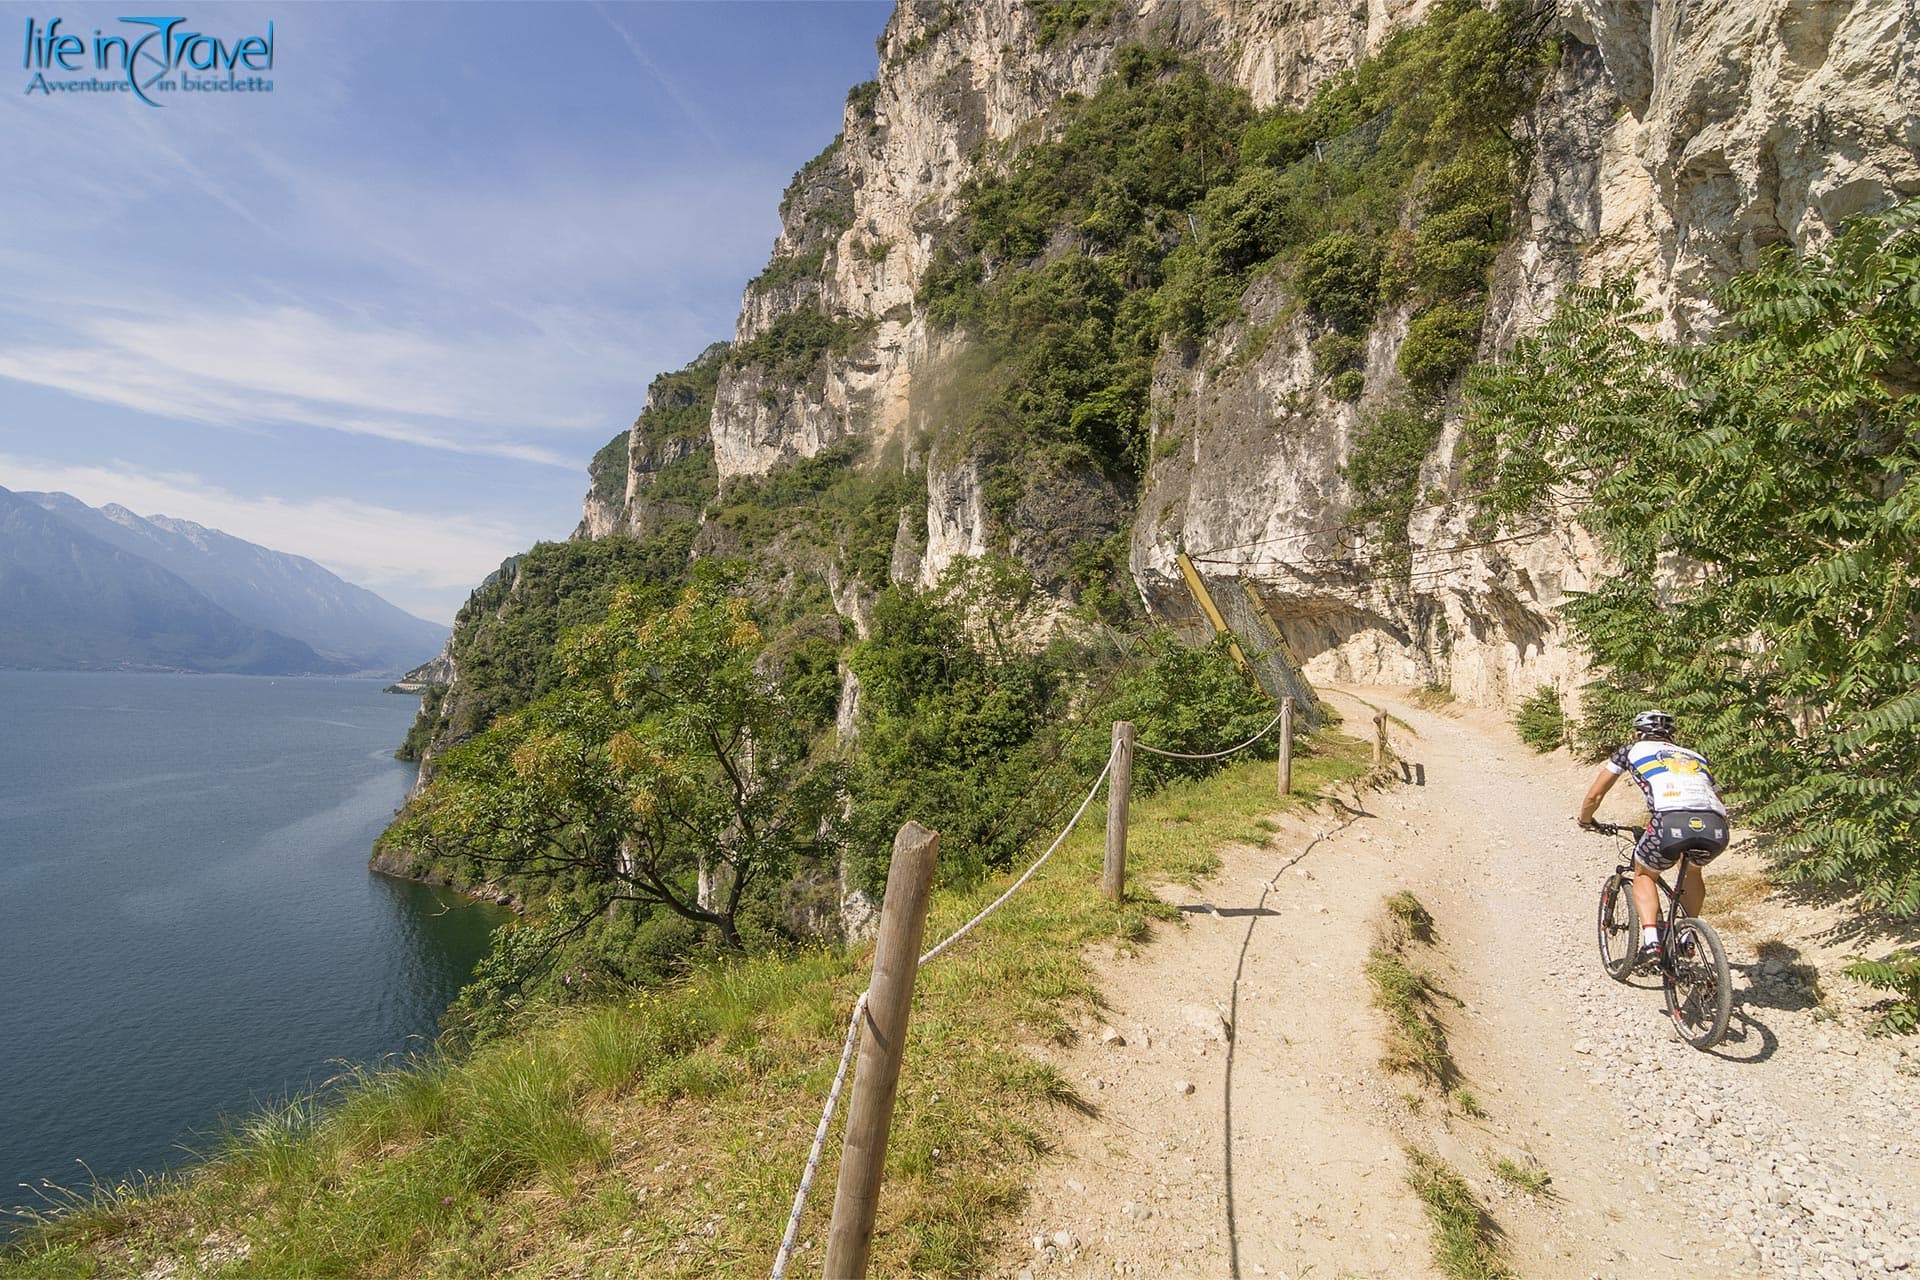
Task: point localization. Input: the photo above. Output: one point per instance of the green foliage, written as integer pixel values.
(1899, 973)
(953, 714)
(1340, 278)
(607, 473)
(1768, 469)
(788, 268)
(1068, 342)
(420, 732)
(680, 404)
(1441, 341)
(1058, 19)
(1383, 469)
(1540, 721)
(664, 753)
(1179, 699)
(792, 347)
(504, 636)
(860, 102)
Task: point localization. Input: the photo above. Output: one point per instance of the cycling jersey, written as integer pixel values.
(1670, 777)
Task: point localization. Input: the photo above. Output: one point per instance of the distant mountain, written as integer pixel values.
(347, 625)
(70, 601)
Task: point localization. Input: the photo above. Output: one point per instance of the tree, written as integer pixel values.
(666, 769)
(1758, 492)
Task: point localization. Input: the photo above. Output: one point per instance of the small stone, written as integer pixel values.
(1183, 1087)
(1112, 1038)
(1065, 1241)
(1078, 1188)
(1583, 1046)
(1206, 1020)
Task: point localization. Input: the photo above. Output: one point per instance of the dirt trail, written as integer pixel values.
(1789, 1152)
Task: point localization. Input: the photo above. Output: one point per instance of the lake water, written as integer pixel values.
(187, 923)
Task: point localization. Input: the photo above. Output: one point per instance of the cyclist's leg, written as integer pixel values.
(1648, 862)
(1693, 894)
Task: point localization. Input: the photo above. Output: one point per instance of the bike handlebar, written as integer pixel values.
(1614, 828)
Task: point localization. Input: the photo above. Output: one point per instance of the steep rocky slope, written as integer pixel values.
(1677, 143)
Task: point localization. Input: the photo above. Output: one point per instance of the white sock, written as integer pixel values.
(1649, 935)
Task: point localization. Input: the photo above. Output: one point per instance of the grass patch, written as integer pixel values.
(1466, 1102)
(1415, 1042)
(1465, 1241)
(1530, 1178)
(662, 1134)
(1414, 918)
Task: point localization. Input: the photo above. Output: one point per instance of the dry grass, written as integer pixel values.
(1733, 897)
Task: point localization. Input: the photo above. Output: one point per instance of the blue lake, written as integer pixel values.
(187, 924)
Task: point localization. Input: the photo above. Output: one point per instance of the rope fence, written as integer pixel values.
(1213, 755)
(1116, 775)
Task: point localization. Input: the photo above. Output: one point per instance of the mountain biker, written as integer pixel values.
(1685, 814)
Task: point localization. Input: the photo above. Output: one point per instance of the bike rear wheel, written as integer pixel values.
(1698, 986)
(1619, 927)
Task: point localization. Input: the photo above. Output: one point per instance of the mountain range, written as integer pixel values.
(103, 588)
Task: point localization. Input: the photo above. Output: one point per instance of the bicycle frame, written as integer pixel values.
(1671, 915)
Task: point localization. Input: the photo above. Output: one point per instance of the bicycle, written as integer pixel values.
(1693, 965)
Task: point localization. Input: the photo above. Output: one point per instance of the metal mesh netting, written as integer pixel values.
(1261, 641)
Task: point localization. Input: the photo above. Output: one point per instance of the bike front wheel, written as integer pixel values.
(1619, 927)
(1698, 986)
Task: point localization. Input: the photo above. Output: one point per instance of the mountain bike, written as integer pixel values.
(1693, 964)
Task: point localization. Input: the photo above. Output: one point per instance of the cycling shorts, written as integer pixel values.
(1699, 833)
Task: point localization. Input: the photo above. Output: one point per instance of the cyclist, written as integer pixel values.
(1685, 814)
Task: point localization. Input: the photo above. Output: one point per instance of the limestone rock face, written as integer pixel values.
(1674, 141)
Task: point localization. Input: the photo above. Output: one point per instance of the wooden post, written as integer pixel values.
(1113, 876)
(896, 962)
(1286, 746)
(1379, 739)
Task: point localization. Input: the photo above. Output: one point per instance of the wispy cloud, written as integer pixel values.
(423, 562)
(667, 86)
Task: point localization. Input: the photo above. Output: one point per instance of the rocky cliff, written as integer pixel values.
(1674, 142)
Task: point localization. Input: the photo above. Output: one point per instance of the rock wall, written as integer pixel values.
(1674, 141)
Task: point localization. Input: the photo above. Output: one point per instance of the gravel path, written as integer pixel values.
(1243, 1126)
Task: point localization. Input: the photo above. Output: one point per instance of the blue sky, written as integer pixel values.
(382, 315)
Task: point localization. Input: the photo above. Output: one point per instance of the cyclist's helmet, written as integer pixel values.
(1654, 724)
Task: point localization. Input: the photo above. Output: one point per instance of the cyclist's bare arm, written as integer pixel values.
(1591, 804)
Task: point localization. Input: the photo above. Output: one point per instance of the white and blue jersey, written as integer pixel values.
(1670, 777)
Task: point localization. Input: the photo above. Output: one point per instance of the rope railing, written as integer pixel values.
(1213, 755)
(785, 1256)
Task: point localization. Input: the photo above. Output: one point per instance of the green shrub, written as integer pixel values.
(1179, 699)
(1340, 278)
(1540, 721)
(1900, 974)
(1441, 341)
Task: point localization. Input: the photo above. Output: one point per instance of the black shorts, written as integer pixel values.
(1701, 834)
